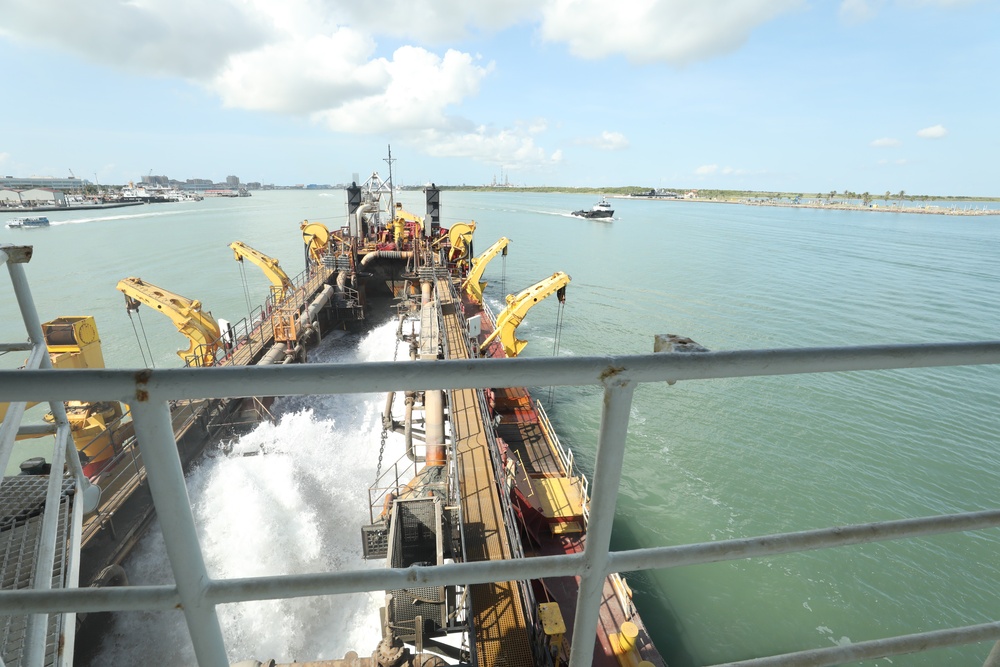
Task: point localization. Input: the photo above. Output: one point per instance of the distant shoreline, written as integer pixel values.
(73, 207)
(925, 209)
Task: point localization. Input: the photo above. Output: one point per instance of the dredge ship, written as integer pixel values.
(484, 478)
(497, 550)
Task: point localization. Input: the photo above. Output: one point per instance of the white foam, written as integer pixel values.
(297, 508)
(121, 216)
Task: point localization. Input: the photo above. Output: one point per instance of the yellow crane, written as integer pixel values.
(460, 235)
(518, 306)
(200, 327)
(73, 342)
(472, 284)
(281, 284)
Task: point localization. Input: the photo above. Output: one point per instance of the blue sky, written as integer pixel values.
(791, 95)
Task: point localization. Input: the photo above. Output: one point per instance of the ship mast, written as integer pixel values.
(392, 193)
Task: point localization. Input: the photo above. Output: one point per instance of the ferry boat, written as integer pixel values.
(602, 209)
(37, 221)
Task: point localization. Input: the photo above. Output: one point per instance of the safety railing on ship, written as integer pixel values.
(198, 594)
(46, 546)
(567, 459)
(251, 335)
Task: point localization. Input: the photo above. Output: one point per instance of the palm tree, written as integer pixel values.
(866, 199)
(901, 196)
(888, 195)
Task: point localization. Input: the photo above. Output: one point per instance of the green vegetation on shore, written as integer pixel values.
(725, 195)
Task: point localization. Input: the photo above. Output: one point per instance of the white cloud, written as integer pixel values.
(432, 21)
(328, 71)
(932, 132)
(706, 169)
(179, 38)
(886, 142)
(418, 88)
(4, 157)
(607, 141)
(511, 148)
(856, 11)
(321, 58)
(675, 31)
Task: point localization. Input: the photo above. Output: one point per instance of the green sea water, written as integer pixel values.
(706, 460)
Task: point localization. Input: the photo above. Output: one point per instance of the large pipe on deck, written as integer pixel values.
(434, 416)
(306, 320)
(433, 403)
(310, 313)
(277, 351)
(408, 429)
(385, 254)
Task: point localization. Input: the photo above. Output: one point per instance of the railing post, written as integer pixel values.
(993, 659)
(154, 434)
(607, 476)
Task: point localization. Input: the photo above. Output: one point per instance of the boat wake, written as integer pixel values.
(103, 218)
(292, 510)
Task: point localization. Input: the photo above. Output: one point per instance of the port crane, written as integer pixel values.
(198, 326)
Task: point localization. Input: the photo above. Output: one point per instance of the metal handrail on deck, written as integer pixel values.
(64, 459)
(198, 594)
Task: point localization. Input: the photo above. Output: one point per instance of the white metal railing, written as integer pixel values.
(64, 456)
(150, 391)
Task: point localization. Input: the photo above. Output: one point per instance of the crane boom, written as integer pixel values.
(517, 308)
(281, 284)
(472, 284)
(199, 326)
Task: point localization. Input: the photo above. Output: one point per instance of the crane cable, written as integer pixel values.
(139, 341)
(557, 339)
(246, 290)
(559, 328)
(503, 274)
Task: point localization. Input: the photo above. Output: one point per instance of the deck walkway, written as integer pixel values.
(501, 630)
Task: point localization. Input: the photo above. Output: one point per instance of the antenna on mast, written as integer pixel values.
(392, 190)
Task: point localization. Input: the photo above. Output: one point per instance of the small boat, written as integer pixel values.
(601, 209)
(39, 221)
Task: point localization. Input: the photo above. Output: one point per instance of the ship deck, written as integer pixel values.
(524, 430)
(501, 629)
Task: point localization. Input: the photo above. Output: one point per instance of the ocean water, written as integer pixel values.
(706, 460)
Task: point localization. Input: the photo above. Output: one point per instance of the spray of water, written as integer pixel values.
(295, 506)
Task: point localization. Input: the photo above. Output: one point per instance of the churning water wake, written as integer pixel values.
(295, 506)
